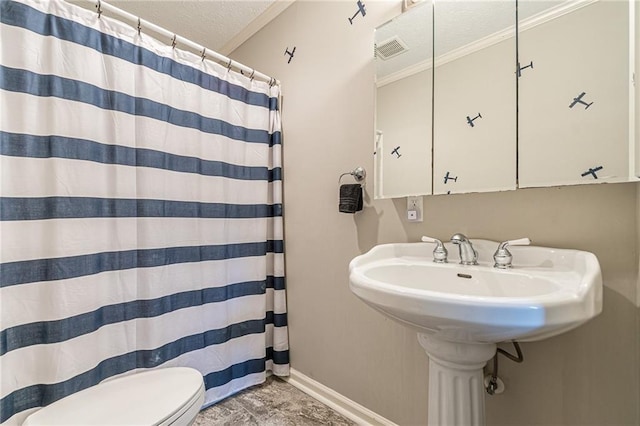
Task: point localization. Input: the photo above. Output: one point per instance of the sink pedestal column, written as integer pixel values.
(456, 381)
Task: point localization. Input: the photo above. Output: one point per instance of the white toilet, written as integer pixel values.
(169, 396)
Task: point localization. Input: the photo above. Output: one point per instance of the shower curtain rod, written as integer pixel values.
(175, 39)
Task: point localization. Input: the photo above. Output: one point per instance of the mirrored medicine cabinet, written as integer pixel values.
(468, 101)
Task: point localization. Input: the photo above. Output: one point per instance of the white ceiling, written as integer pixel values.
(220, 25)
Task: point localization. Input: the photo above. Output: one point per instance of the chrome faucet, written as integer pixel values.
(468, 255)
(440, 253)
(502, 257)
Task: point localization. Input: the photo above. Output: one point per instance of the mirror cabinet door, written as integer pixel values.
(403, 104)
(474, 147)
(574, 90)
(553, 110)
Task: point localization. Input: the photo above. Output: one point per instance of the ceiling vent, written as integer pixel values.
(391, 47)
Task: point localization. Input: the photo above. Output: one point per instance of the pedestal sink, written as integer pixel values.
(461, 311)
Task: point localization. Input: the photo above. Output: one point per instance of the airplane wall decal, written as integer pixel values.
(519, 70)
(361, 10)
(286, 52)
(592, 171)
(395, 151)
(447, 178)
(471, 120)
(578, 100)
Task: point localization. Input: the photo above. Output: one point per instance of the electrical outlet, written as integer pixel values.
(414, 209)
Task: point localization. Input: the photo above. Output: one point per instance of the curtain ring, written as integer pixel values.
(174, 41)
(250, 76)
(229, 65)
(139, 26)
(204, 53)
(98, 6)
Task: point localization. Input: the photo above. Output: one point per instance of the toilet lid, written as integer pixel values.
(146, 398)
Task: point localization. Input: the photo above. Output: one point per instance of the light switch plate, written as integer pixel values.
(414, 209)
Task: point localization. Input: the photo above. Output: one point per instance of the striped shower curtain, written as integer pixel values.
(140, 211)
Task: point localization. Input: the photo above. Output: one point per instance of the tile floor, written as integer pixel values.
(274, 403)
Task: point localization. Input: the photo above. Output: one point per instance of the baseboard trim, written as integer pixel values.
(338, 402)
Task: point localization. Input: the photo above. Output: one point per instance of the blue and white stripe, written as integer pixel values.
(140, 211)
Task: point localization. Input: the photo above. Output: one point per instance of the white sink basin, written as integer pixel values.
(546, 292)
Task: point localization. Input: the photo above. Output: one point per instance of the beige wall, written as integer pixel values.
(637, 83)
(587, 376)
(638, 227)
(637, 137)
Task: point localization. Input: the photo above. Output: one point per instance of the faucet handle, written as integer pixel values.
(502, 257)
(440, 252)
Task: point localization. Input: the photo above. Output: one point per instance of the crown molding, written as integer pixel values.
(270, 13)
(495, 38)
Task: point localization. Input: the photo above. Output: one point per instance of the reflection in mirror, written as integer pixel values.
(557, 112)
(403, 104)
(574, 105)
(474, 146)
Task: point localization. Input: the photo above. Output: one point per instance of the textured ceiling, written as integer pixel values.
(415, 30)
(458, 23)
(211, 23)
